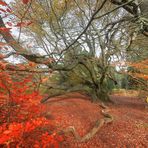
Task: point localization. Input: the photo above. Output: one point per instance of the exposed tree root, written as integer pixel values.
(108, 118)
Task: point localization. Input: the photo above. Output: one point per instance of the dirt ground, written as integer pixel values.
(128, 130)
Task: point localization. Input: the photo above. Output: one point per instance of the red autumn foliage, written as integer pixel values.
(142, 68)
(2, 10)
(25, 1)
(22, 122)
(23, 24)
(4, 29)
(9, 10)
(2, 3)
(9, 23)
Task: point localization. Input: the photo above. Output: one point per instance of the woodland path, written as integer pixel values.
(128, 130)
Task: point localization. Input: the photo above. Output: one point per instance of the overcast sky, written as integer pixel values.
(8, 1)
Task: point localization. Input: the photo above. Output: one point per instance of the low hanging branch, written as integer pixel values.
(5, 32)
(138, 9)
(108, 118)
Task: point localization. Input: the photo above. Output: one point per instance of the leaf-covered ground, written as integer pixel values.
(129, 128)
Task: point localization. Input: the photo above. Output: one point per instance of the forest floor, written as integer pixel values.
(128, 130)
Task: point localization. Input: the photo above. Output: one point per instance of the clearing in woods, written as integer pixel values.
(129, 128)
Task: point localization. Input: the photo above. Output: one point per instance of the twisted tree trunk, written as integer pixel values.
(108, 118)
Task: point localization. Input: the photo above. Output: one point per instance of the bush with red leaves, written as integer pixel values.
(22, 122)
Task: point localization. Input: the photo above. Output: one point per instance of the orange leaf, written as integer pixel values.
(29, 23)
(2, 44)
(45, 79)
(32, 64)
(7, 132)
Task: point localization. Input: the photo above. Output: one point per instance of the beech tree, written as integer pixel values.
(75, 39)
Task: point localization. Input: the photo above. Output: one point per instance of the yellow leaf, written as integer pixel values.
(146, 100)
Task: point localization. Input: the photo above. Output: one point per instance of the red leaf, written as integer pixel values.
(3, 3)
(29, 23)
(9, 10)
(20, 24)
(2, 10)
(9, 23)
(25, 1)
(3, 138)
(5, 29)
